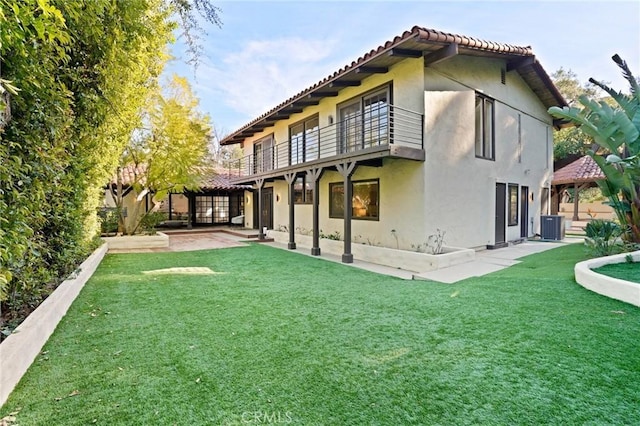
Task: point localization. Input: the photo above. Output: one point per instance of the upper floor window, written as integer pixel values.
(485, 135)
(364, 122)
(303, 141)
(263, 155)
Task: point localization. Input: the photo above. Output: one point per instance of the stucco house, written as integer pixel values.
(429, 131)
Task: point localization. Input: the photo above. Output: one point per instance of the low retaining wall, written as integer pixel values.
(20, 349)
(403, 259)
(614, 288)
(133, 242)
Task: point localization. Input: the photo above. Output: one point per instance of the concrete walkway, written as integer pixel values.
(486, 261)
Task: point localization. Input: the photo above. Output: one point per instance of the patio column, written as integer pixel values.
(576, 200)
(346, 170)
(260, 185)
(313, 177)
(291, 179)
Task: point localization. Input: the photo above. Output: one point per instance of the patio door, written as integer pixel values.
(364, 122)
(263, 155)
(501, 213)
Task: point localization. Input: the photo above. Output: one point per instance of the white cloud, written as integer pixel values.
(265, 73)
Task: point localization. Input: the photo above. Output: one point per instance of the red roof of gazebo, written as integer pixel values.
(583, 170)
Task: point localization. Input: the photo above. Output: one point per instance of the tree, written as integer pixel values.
(223, 155)
(78, 73)
(616, 129)
(169, 154)
(570, 141)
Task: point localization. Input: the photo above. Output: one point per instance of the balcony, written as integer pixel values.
(384, 131)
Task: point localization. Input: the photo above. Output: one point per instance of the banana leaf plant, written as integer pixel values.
(616, 129)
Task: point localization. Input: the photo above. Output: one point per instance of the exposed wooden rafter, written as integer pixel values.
(372, 70)
(323, 94)
(345, 83)
(519, 63)
(405, 53)
(292, 109)
(307, 103)
(442, 54)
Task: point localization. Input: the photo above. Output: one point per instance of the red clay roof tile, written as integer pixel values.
(584, 169)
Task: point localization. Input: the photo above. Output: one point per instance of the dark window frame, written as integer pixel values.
(303, 141)
(265, 161)
(513, 201)
(306, 193)
(337, 215)
(362, 124)
(481, 145)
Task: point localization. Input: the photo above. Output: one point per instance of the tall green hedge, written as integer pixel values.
(81, 69)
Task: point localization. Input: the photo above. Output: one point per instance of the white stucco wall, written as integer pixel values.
(460, 187)
(128, 202)
(452, 190)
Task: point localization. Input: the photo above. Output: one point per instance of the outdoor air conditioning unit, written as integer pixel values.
(552, 227)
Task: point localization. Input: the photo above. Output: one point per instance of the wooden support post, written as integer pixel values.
(260, 185)
(291, 179)
(313, 177)
(191, 204)
(576, 200)
(346, 170)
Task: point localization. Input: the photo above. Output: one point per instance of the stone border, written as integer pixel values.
(134, 242)
(20, 349)
(614, 288)
(403, 259)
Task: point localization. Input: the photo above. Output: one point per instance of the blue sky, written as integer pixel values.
(267, 51)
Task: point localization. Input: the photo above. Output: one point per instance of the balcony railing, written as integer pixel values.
(384, 126)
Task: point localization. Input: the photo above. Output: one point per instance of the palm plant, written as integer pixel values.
(616, 129)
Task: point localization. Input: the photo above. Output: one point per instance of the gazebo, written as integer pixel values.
(580, 174)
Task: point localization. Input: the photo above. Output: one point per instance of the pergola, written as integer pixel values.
(581, 174)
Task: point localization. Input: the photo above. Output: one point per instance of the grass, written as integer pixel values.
(279, 337)
(629, 271)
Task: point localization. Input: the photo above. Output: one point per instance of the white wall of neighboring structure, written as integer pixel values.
(128, 203)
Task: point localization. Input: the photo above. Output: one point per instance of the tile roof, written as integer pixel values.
(424, 41)
(216, 180)
(129, 174)
(584, 169)
(220, 181)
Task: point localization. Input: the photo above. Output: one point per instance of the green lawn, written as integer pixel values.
(280, 337)
(624, 271)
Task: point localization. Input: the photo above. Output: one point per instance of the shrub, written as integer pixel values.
(150, 222)
(602, 237)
